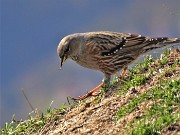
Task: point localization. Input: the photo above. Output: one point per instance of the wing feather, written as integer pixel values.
(109, 43)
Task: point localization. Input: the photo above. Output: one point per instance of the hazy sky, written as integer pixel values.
(32, 29)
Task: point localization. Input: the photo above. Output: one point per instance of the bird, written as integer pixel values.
(107, 51)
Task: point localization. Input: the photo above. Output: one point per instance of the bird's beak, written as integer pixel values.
(63, 59)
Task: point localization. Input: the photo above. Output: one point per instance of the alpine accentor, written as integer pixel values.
(107, 51)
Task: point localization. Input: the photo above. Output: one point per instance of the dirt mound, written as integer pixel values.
(128, 101)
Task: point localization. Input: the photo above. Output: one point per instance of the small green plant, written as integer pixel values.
(142, 66)
(167, 51)
(135, 80)
(33, 123)
(161, 113)
(138, 80)
(164, 61)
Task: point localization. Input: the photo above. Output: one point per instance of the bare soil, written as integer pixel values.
(89, 117)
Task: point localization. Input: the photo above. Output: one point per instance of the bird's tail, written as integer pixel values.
(171, 41)
(154, 43)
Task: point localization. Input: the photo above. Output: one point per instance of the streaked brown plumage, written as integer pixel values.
(108, 52)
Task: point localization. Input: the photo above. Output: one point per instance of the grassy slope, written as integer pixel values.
(145, 101)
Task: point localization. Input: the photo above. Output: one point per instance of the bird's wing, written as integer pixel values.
(108, 43)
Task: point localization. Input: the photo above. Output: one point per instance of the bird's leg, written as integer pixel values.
(91, 93)
(123, 71)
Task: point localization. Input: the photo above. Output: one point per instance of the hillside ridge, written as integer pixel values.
(145, 101)
(109, 113)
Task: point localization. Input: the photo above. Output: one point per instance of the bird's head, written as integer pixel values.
(68, 47)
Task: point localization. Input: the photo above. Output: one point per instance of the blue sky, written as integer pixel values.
(32, 29)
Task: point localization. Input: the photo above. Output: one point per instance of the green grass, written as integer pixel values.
(169, 95)
(165, 96)
(162, 113)
(33, 123)
(142, 66)
(136, 78)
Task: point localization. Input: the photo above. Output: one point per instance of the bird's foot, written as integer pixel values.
(123, 72)
(90, 93)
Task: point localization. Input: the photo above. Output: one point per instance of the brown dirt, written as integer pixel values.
(172, 129)
(98, 118)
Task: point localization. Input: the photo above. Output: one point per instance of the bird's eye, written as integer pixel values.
(66, 50)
